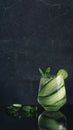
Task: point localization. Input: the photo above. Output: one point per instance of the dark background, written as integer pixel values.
(33, 34)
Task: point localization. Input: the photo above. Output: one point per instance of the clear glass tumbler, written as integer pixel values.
(52, 93)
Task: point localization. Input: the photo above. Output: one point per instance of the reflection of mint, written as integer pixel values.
(46, 73)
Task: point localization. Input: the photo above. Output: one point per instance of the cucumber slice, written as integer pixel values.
(51, 86)
(56, 106)
(17, 105)
(63, 72)
(50, 100)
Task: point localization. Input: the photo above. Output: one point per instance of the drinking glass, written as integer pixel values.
(52, 93)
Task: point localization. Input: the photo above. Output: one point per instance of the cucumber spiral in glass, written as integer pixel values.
(52, 92)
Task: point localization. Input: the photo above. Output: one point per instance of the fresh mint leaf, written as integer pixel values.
(41, 72)
(47, 72)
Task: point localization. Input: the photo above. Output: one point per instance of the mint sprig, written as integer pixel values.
(45, 74)
(41, 72)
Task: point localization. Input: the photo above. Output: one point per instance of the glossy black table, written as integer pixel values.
(61, 121)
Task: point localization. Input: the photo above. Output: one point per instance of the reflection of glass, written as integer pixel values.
(52, 93)
(52, 121)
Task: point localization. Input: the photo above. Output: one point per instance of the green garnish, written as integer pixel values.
(46, 73)
(20, 111)
(17, 105)
(41, 72)
(30, 109)
(63, 72)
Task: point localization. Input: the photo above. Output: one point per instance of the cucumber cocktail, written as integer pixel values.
(52, 92)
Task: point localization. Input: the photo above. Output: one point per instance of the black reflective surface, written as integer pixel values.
(41, 120)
